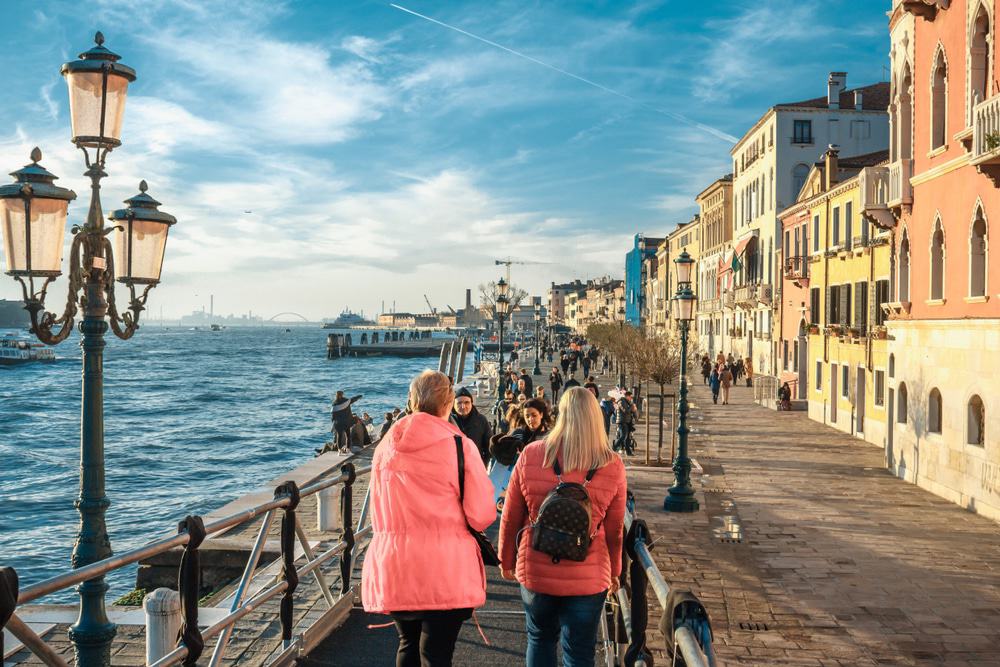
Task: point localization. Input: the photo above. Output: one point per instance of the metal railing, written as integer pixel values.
(797, 267)
(986, 130)
(684, 623)
(192, 532)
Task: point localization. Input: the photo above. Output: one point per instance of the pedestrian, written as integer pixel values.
(537, 421)
(564, 600)
(585, 365)
(591, 386)
(342, 420)
(740, 370)
(605, 364)
(706, 368)
(725, 382)
(420, 528)
(555, 382)
(386, 425)
(501, 409)
(570, 383)
(607, 409)
(714, 384)
(625, 417)
(472, 423)
(748, 367)
(529, 384)
(564, 362)
(785, 397)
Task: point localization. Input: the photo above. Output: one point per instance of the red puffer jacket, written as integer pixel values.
(529, 484)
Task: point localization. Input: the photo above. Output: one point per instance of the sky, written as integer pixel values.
(344, 153)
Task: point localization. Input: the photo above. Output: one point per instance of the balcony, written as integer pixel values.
(900, 190)
(729, 300)
(986, 137)
(874, 185)
(797, 270)
(746, 296)
(765, 294)
(923, 8)
(709, 305)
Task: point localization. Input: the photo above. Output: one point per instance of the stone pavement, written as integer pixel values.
(806, 551)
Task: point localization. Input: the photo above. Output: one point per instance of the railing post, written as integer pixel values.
(347, 514)
(163, 622)
(638, 534)
(8, 599)
(684, 609)
(288, 490)
(189, 587)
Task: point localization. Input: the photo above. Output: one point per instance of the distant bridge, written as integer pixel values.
(275, 317)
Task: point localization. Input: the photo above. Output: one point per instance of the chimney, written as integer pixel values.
(858, 100)
(468, 299)
(832, 165)
(835, 85)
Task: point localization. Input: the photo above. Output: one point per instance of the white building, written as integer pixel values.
(770, 166)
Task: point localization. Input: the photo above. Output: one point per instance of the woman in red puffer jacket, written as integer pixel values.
(565, 599)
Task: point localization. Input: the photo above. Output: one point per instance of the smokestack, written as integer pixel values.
(858, 100)
(468, 300)
(835, 85)
(211, 305)
(832, 165)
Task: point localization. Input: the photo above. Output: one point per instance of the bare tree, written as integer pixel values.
(657, 359)
(488, 294)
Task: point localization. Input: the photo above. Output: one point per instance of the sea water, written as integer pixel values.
(193, 419)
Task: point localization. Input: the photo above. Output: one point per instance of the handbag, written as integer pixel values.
(486, 547)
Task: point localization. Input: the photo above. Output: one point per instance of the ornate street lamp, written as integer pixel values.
(500, 312)
(621, 333)
(538, 320)
(32, 221)
(680, 497)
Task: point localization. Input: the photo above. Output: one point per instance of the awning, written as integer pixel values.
(742, 245)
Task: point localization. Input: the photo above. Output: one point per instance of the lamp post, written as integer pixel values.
(538, 321)
(500, 312)
(680, 497)
(33, 220)
(621, 361)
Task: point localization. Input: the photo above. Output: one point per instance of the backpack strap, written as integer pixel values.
(460, 449)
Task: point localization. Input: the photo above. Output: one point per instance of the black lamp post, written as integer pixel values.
(621, 361)
(500, 312)
(33, 222)
(538, 320)
(680, 497)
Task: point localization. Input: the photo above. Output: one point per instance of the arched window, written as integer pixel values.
(979, 58)
(937, 261)
(903, 288)
(892, 365)
(939, 101)
(799, 174)
(977, 422)
(977, 255)
(905, 105)
(934, 411)
(902, 402)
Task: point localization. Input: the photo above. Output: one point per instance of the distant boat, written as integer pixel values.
(217, 327)
(16, 351)
(347, 319)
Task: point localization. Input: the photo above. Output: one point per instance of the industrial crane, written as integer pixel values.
(433, 309)
(507, 262)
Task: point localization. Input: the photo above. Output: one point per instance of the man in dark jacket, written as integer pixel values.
(474, 425)
(342, 419)
(529, 385)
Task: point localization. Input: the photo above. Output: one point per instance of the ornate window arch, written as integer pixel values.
(901, 409)
(935, 411)
(975, 432)
(904, 113)
(939, 98)
(978, 59)
(903, 268)
(978, 258)
(937, 250)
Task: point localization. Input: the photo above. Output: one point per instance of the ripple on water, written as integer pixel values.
(193, 419)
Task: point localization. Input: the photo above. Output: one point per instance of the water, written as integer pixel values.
(193, 419)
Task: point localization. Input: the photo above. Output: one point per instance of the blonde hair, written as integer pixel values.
(430, 392)
(578, 439)
(514, 417)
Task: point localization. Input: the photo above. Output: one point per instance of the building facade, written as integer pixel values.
(636, 277)
(770, 165)
(686, 237)
(557, 300)
(944, 326)
(716, 214)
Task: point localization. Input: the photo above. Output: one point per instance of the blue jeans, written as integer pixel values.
(573, 618)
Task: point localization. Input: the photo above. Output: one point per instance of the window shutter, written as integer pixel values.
(829, 305)
(848, 225)
(861, 305)
(845, 305)
(814, 306)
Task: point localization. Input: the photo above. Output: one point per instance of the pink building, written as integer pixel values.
(944, 327)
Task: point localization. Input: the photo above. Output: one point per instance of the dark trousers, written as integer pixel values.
(571, 620)
(342, 436)
(427, 639)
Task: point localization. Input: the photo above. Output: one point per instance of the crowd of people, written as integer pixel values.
(431, 498)
(725, 372)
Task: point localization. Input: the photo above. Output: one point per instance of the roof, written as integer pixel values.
(875, 97)
(862, 161)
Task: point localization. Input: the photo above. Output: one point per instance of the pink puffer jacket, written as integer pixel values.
(421, 555)
(529, 484)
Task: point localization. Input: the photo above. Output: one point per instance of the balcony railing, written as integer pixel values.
(729, 299)
(746, 296)
(900, 190)
(797, 268)
(986, 132)
(766, 294)
(709, 305)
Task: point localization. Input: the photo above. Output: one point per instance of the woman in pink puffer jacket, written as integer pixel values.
(423, 567)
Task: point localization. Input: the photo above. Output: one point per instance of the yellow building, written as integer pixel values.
(835, 277)
(715, 204)
(686, 237)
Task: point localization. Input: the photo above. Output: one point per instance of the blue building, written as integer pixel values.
(635, 288)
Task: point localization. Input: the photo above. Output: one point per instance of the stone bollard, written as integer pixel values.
(328, 509)
(163, 622)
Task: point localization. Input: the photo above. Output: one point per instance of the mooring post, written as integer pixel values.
(163, 622)
(189, 587)
(328, 510)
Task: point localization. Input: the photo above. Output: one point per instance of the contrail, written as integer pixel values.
(719, 134)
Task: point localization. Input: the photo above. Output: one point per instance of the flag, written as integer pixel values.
(736, 265)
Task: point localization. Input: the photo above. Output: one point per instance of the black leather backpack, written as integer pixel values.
(562, 527)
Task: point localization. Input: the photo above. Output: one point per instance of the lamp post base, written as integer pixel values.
(681, 501)
(537, 370)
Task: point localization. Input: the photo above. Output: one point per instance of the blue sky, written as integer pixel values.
(383, 156)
